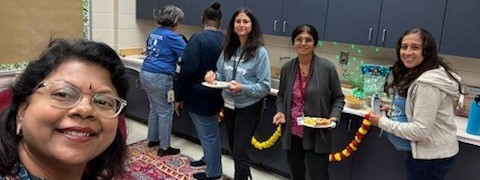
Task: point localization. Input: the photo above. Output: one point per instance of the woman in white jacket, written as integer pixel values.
(422, 118)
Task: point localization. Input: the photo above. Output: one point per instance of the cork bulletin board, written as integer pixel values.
(27, 26)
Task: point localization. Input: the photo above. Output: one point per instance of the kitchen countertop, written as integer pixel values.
(134, 62)
(11, 72)
(461, 123)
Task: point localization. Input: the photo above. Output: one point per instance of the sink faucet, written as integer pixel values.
(285, 58)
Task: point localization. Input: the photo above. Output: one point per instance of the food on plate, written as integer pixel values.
(216, 84)
(313, 121)
(353, 102)
(219, 83)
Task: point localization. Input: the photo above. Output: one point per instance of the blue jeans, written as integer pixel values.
(431, 169)
(160, 118)
(209, 135)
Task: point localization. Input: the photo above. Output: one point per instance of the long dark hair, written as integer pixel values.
(254, 40)
(403, 77)
(212, 15)
(108, 163)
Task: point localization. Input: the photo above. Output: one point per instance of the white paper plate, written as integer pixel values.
(300, 121)
(218, 84)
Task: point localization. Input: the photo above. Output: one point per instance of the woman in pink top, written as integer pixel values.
(309, 86)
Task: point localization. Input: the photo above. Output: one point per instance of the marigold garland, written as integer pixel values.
(354, 144)
(268, 143)
(333, 157)
(260, 145)
(220, 115)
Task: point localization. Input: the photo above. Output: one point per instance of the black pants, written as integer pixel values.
(241, 124)
(298, 159)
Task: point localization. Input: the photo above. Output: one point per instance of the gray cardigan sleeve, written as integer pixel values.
(337, 97)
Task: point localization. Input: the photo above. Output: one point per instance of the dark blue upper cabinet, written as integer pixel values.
(179, 3)
(296, 12)
(461, 33)
(145, 9)
(268, 13)
(353, 21)
(400, 16)
(281, 17)
(381, 23)
(228, 8)
(194, 10)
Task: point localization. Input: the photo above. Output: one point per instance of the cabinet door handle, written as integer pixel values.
(275, 25)
(384, 32)
(370, 35)
(349, 124)
(136, 83)
(153, 14)
(284, 27)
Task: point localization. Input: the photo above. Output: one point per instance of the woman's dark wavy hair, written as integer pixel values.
(108, 163)
(254, 40)
(212, 15)
(308, 29)
(403, 77)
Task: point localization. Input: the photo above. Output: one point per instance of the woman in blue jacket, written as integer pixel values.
(164, 47)
(244, 63)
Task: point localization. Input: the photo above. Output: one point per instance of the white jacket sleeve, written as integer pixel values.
(421, 108)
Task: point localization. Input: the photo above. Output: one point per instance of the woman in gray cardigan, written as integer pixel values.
(309, 86)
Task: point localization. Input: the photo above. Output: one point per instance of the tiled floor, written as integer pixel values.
(138, 131)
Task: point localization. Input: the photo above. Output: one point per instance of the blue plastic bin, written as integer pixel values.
(473, 125)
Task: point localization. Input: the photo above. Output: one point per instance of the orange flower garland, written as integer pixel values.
(355, 143)
(220, 115)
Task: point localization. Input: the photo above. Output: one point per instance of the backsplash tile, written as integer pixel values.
(13, 66)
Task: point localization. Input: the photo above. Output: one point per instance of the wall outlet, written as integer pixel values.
(344, 57)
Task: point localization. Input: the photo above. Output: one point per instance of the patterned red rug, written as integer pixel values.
(144, 163)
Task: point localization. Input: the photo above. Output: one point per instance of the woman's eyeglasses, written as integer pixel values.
(64, 95)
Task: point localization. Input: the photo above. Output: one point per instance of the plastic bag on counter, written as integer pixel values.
(374, 78)
(462, 106)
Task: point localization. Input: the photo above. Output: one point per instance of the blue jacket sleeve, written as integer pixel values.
(262, 87)
(220, 74)
(177, 45)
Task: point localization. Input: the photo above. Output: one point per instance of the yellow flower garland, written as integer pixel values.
(268, 143)
(260, 145)
(334, 157)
